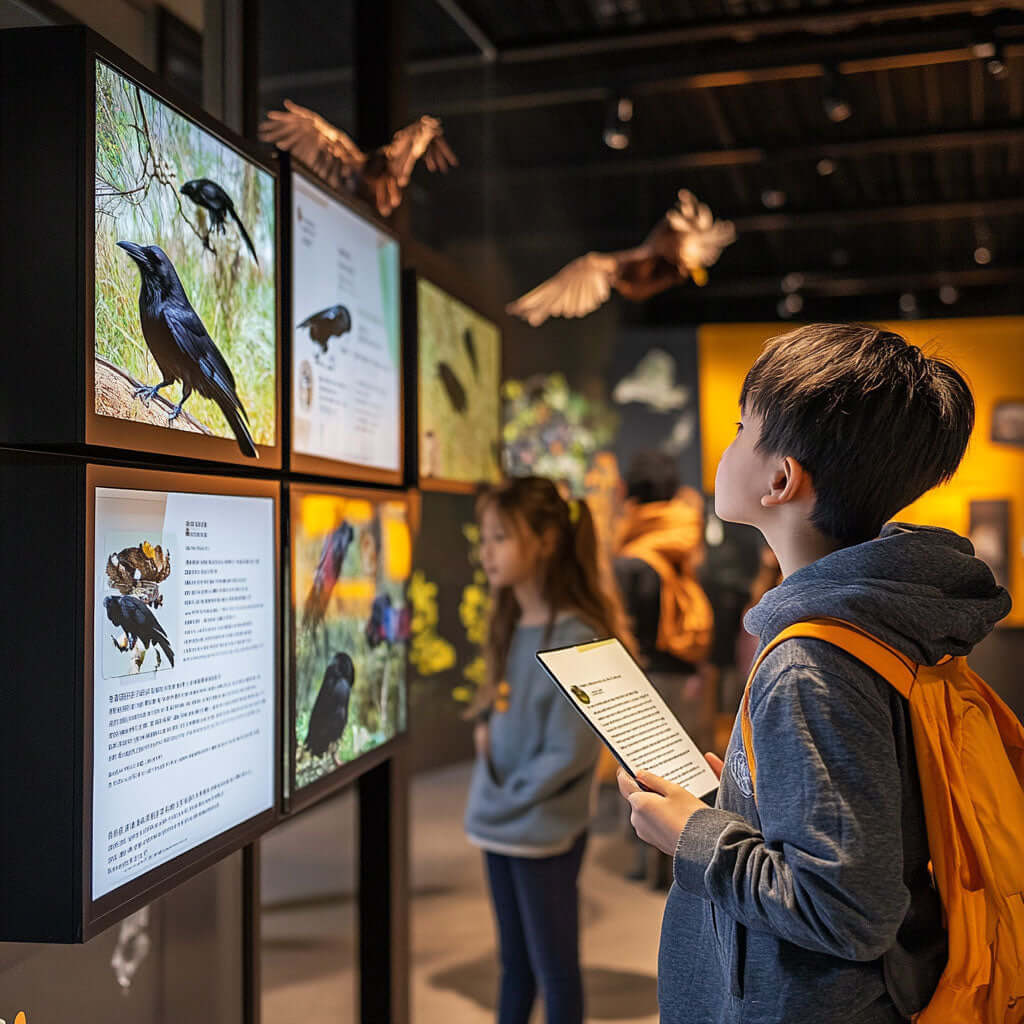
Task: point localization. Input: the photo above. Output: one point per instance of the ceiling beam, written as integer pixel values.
(846, 286)
(821, 22)
(480, 38)
(626, 166)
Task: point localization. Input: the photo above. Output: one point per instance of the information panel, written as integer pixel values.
(183, 674)
(347, 389)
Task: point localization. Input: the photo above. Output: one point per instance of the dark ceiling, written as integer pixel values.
(917, 191)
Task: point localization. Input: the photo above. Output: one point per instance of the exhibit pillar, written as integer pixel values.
(231, 63)
(384, 891)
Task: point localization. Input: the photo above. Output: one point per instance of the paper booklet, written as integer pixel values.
(607, 687)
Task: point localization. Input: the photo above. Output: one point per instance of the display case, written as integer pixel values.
(140, 263)
(140, 734)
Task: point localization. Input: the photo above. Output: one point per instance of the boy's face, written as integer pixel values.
(744, 475)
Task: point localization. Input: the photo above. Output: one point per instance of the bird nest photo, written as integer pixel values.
(352, 561)
(460, 375)
(133, 610)
(186, 305)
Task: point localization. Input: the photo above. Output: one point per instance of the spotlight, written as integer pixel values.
(826, 167)
(908, 304)
(790, 306)
(836, 100)
(948, 295)
(618, 127)
(773, 198)
(992, 53)
(792, 282)
(983, 255)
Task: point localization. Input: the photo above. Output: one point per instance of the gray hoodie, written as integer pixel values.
(814, 903)
(531, 796)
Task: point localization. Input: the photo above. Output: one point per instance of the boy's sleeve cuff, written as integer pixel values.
(696, 847)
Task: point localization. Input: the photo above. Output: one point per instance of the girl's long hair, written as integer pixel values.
(575, 577)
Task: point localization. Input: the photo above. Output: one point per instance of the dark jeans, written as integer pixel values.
(536, 903)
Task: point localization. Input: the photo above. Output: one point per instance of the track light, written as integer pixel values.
(991, 51)
(618, 127)
(836, 100)
(773, 198)
(908, 304)
(826, 167)
(792, 282)
(790, 306)
(948, 294)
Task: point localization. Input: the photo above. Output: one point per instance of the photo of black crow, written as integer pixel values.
(180, 344)
(453, 388)
(139, 625)
(330, 712)
(328, 572)
(212, 198)
(329, 323)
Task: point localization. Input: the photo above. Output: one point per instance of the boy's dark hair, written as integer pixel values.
(874, 421)
(652, 476)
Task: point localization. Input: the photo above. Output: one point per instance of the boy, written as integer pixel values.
(813, 902)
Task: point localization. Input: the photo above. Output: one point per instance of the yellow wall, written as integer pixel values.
(990, 352)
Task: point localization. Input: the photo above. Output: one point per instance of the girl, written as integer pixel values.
(529, 800)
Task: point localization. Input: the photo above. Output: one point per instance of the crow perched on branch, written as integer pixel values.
(181, 345)
(211, 197)
(139, 625)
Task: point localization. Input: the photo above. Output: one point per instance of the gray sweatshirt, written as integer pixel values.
(814, 904)
(531, 797)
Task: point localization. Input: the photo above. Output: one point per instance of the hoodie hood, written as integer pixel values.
(919, 588)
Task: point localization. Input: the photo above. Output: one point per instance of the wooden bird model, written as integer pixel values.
(379, 176)
(684, 243)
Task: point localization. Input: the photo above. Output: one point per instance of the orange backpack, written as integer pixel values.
(970, 759)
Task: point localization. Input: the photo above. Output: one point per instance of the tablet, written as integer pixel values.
(607, 687)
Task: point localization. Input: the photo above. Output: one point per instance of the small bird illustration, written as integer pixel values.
(684, 243)
(379, 176)
(330, 711)
(470, 346)
(387, 623)
(181, 345)
(212, 198)
(453, 387)
(139, 624)
(329, 323)
(328, 572)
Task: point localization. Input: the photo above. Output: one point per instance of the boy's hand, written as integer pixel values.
(716, 763)
(659, 815)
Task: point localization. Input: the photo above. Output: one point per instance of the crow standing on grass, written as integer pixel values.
(180, 344)
(212, 198)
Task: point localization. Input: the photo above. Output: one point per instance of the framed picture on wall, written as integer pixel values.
(989, 532)
(1008, 422)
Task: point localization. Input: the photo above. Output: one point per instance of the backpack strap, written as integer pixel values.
(891, 664)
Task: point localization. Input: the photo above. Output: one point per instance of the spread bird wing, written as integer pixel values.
(423, 138)
(326, 150)
(576, 290)
(699, 239)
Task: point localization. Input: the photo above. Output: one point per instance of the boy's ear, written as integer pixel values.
(789, 481)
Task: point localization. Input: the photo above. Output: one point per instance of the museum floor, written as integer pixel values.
(309, 917)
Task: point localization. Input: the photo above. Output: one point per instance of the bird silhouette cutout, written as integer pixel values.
(328, 323)
(683, 244)
(212, 198)
(181, 345)
(470, 346)
(379, 176)
(453, 388)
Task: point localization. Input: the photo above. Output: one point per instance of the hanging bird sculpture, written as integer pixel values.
(378, 176)
(684, 243)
